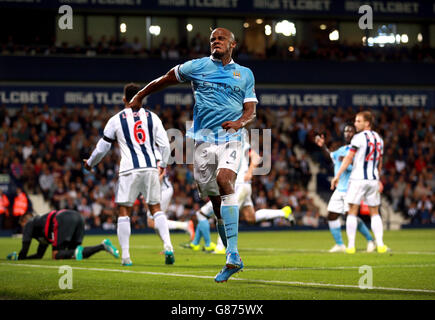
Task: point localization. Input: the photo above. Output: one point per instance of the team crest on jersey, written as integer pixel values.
(236, 75)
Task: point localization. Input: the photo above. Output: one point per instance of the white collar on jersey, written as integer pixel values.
(214, 59)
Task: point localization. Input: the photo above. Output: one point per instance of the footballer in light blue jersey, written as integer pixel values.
(224, 104)
(219, 92)
(337, 157)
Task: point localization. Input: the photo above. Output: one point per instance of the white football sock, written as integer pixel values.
(268, 214)
(207, 209)
(378, 229)
(177, 225)
(124, 232)
(351, 225)
(161, 225)
(200, 216)
(334, 224)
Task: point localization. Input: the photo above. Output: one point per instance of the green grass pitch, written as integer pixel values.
(281, 265)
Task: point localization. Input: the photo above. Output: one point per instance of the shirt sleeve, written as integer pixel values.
(184, 72)
(250, 95)
(356, 142)
(110, 129)
(381, 146)
(162, 142)
(333, 156)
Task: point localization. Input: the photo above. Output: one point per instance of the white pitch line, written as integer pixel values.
(294, 283)
(346, 267)
(326, 251)
(330, 268)
(297, 250)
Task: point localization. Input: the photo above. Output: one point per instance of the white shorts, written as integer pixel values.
(244, 194)
(337, 203)
(135, 182)
(209, 158)
(367, 190)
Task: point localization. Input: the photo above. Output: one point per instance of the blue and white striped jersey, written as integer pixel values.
(369, 148)
(141, 137)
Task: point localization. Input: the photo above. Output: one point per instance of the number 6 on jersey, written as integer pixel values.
(139, 133)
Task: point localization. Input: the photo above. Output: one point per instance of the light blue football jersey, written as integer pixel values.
(220, 92)
(337, 157)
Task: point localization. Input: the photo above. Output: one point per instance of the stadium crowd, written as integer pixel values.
(42, 149)
(198, 46)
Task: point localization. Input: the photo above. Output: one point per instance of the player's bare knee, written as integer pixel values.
(154, 208)
(332, 216)
(225, 180)
(374, 211)
(124, 211)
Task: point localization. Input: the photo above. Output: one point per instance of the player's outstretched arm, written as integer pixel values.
(156, 85)
(103, 146)
(39, 253)
(319, 140)
(247, 117)
(346, 162)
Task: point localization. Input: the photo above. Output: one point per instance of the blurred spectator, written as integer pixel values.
(46, 182)
(108, 224)
(424, 206)
(413, 213)
(20, 207)
(4, 208)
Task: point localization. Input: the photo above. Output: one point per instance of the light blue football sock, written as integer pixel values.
(335, 229)
(197, 238)
(221, 230)
(204, 226)
(336, 233)
(230, 215)
(364, 230)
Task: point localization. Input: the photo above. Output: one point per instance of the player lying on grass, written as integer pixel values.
(64, 230)
(337, 205)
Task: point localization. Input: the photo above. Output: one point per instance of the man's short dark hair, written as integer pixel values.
(130, 91)
(348, 124)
